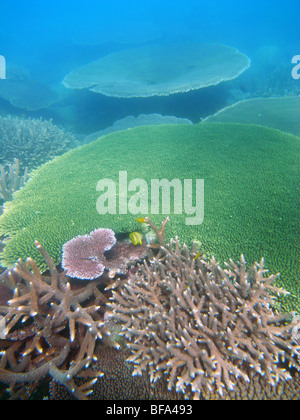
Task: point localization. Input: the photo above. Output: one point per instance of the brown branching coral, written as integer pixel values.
(179, 327)
(203, 328)
(48, 327)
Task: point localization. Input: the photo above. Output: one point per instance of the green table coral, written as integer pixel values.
(251, 193)
(278, 112)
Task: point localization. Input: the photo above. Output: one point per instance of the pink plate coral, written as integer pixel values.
(83, 256)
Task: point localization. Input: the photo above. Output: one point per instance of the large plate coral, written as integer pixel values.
(251, 193)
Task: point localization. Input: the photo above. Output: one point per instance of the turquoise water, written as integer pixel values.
(44, 41)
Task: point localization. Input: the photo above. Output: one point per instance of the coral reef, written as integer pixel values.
(250, 208)
(178, 326)
(11, 180)
(48, 327)
(34, 141)
(201, 327)
(86, 256)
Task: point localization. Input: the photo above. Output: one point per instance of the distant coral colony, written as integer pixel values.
(161, 321)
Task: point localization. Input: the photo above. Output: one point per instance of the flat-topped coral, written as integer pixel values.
(23, 92)
(251, 200)
(83, 257)
(159, 70)
(280, 112)
(131, 122)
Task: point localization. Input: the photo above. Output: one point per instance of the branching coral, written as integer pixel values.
(202, 327)
(35, 141)
(11, 180)
(49, 327)
(178, 327)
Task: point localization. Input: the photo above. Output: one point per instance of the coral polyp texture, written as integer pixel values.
(251, 200)
(117, 381)
(203, 328)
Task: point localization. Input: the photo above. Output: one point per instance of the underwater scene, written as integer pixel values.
(149, 201)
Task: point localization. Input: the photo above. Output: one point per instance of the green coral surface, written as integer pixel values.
(251, 203)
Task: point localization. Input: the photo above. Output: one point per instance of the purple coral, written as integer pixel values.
(83, 256)
(86, 257)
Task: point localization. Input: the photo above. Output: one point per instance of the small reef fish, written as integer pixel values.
(141, 219)
(197, 255)
(135, 238)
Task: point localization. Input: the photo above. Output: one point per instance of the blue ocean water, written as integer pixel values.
(45, 40)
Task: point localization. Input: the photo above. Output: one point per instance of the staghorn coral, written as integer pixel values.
(35, 141)
(11, 180)
(203, 328)
(48, 327)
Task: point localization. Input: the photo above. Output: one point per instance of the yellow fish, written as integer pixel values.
(135, 238)
(141, 219)
(197, 255)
